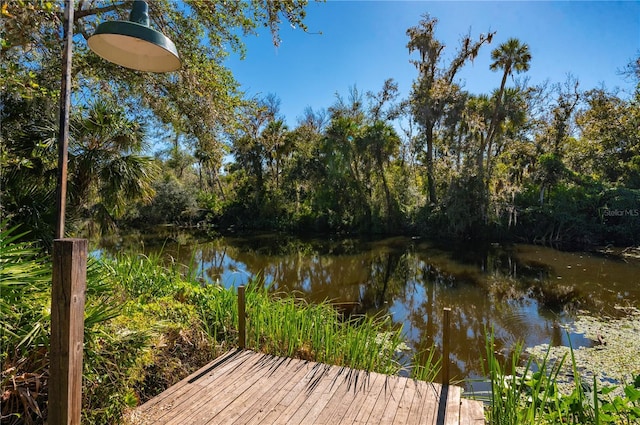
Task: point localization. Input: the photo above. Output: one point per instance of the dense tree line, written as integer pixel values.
(552, 163)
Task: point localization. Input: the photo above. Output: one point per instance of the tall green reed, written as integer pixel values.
(531, 394)
(522, 395)
(427, 365)
(286, 325)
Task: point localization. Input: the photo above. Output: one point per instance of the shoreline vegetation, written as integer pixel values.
(563, 385)
(148, 325)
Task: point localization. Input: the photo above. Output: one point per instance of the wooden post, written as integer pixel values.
(242, 333)
(69, 282)
(446, 324)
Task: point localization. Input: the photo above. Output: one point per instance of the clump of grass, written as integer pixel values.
(533, 396)
(25, 287)
(284, 325)
(24, 328)
(427, 365)
(519, 399)
(25, 320)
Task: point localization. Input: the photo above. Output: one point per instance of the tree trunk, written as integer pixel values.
(431, 185)
(387, 192)
(222, 194)
(494, 124)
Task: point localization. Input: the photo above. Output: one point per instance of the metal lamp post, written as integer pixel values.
(132, 44)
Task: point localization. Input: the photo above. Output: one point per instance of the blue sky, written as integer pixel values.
(364, 42)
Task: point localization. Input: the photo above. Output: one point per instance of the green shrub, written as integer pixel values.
(174, 203)
(25, 283)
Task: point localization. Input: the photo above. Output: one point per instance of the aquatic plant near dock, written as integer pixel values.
(284, 325)
(531, 394)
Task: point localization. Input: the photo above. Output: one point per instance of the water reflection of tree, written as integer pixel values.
(422, 288)
(211, 257)
(417, 283)
(384, 283)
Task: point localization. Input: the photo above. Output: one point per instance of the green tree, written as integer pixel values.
(304, 171)
(609, 146)
(200, 101)
(563, 115)
(549, 170)
(555, 135)
(344, 194)
(107, 170)
(475, 125)
(28, 159)
(383, 142)
(510, 56)
(250, 151)
(513, 116)
(177, 158)
(276, 145)
(433, 92)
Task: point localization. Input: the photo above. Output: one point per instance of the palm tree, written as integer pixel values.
(510, 56)
(108, 171)
(383, 143)
(274, 140)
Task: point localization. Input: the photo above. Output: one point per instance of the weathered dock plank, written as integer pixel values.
(243, 388)
(351, 399)
(252, 403)
(471, 413)
(275, 401)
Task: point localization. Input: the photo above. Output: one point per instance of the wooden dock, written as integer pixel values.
(243, 387)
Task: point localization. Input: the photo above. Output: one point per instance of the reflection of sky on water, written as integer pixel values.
(234, 273)
(524, 293)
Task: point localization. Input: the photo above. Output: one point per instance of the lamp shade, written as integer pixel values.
(133, 44)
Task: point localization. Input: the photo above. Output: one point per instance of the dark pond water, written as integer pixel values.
(526, 293)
